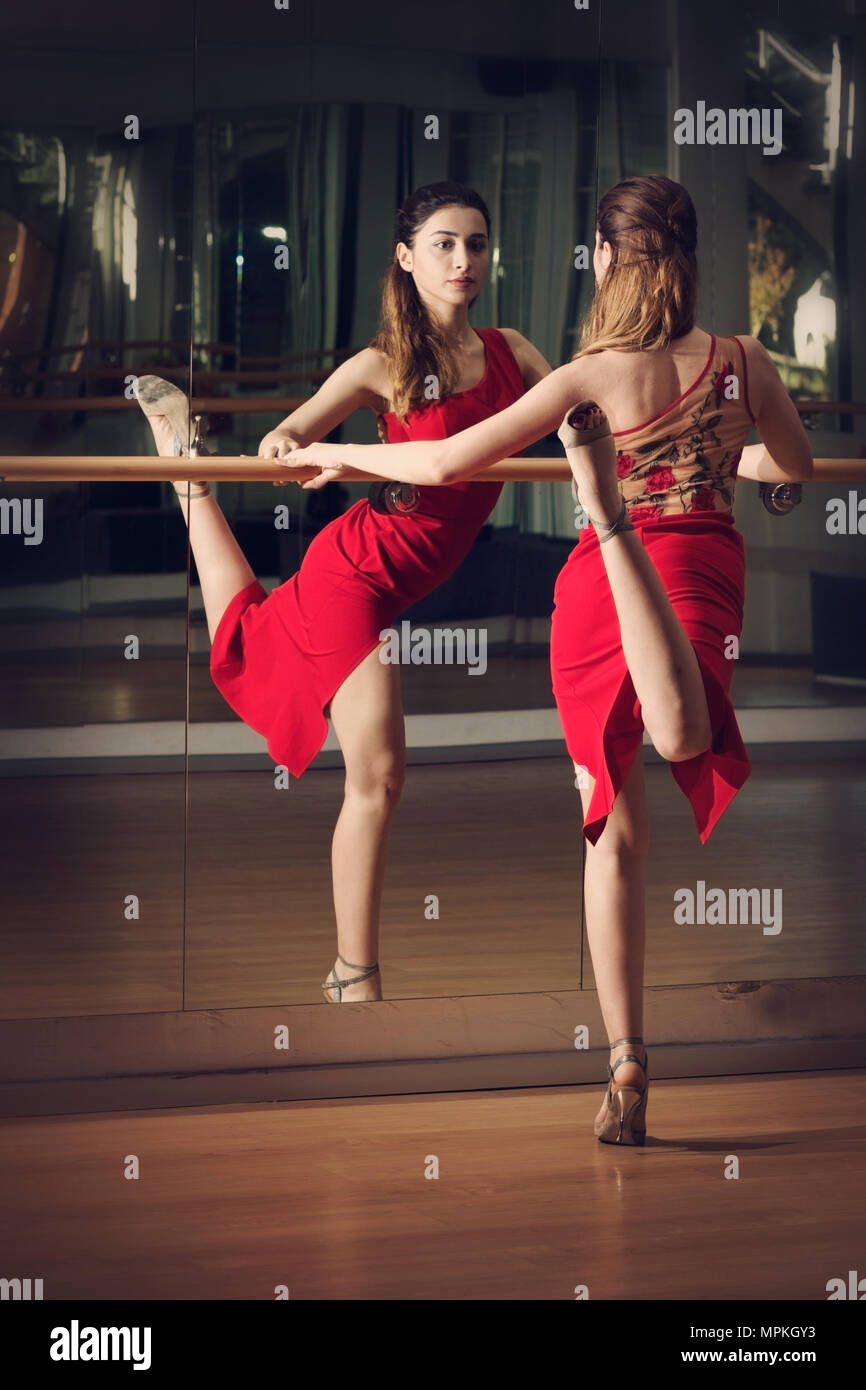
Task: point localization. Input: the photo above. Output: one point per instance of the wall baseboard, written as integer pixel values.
(486, 1042)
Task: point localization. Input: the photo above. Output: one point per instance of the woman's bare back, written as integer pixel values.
(634, 387)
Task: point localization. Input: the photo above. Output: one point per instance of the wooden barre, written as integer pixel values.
(200, 405)
(144, 468)
(239, 405)
(203, 377)
(148, 344)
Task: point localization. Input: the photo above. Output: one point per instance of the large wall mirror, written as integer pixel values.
(154, 859)
(95, 278)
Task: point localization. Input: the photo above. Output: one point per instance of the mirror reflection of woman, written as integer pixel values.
(649, 606)
(285, 661)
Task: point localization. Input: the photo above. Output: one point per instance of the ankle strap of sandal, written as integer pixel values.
(366, 972)
(187, 491)
(622, 523)
(626, 1056)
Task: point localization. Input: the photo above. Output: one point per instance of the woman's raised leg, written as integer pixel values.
(367, 715)
(658, 653)
(223, 569)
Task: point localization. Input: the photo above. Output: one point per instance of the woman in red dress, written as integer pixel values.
(287, 659)
(649, 606)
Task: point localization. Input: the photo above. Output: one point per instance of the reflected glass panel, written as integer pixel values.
(95, 217)
(774, 892)
(472, 841)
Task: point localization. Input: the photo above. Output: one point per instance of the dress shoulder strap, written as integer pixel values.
(500, 352)
(745, 372)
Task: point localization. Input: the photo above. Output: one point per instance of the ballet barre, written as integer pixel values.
(200, 405)
(113, 346)
(144, 468)
(249, 405)
(202, 377)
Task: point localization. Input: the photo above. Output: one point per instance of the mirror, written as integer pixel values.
(786, 890)
(95, 285)
(319, 175)
(140, 234)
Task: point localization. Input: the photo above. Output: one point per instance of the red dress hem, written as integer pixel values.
(291, 742)
(699, 558)
(278, 659)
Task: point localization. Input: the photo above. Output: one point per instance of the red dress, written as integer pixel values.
(279, 658)
(677, 473)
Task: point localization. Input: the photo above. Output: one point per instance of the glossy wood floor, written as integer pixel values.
(330, 1198)
(90, 686)
(498, 843)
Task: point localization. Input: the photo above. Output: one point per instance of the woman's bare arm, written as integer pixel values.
(787, 455)
(533, 366)
(536, 414)
(757, 463)
(356, 383)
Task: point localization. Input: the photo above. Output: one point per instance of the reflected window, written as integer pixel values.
(796, 200)
(129, 241)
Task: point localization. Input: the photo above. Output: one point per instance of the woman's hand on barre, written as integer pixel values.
(757, 463)
(326, 457)
(277, 444)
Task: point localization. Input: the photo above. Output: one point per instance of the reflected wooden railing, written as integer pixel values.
(200, 405)
(200, 375)
(119, 345)
(137, 468)
(234, 405)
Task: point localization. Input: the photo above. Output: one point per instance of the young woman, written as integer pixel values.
(284, 661)
(652, 594)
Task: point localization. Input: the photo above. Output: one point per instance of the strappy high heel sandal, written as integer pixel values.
(624, 1117)
(159, 397)
(340, 985)
(570, 437)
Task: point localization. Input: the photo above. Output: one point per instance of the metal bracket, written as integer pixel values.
(395, 499)
(781, 498)
(197, 445)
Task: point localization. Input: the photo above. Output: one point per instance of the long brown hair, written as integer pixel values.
(647, 295)
(408, 335)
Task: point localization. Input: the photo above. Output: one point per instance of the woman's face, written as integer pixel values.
(450, 257)
(601, 257)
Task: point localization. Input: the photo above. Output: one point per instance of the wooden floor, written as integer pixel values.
(498, 843)
(95, 687)
(330, 1198)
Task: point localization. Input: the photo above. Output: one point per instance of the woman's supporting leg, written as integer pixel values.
(614, 889)
(367, 715)
(660, 658)
(223, 569)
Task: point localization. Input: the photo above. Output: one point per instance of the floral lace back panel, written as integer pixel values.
(685, 459)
